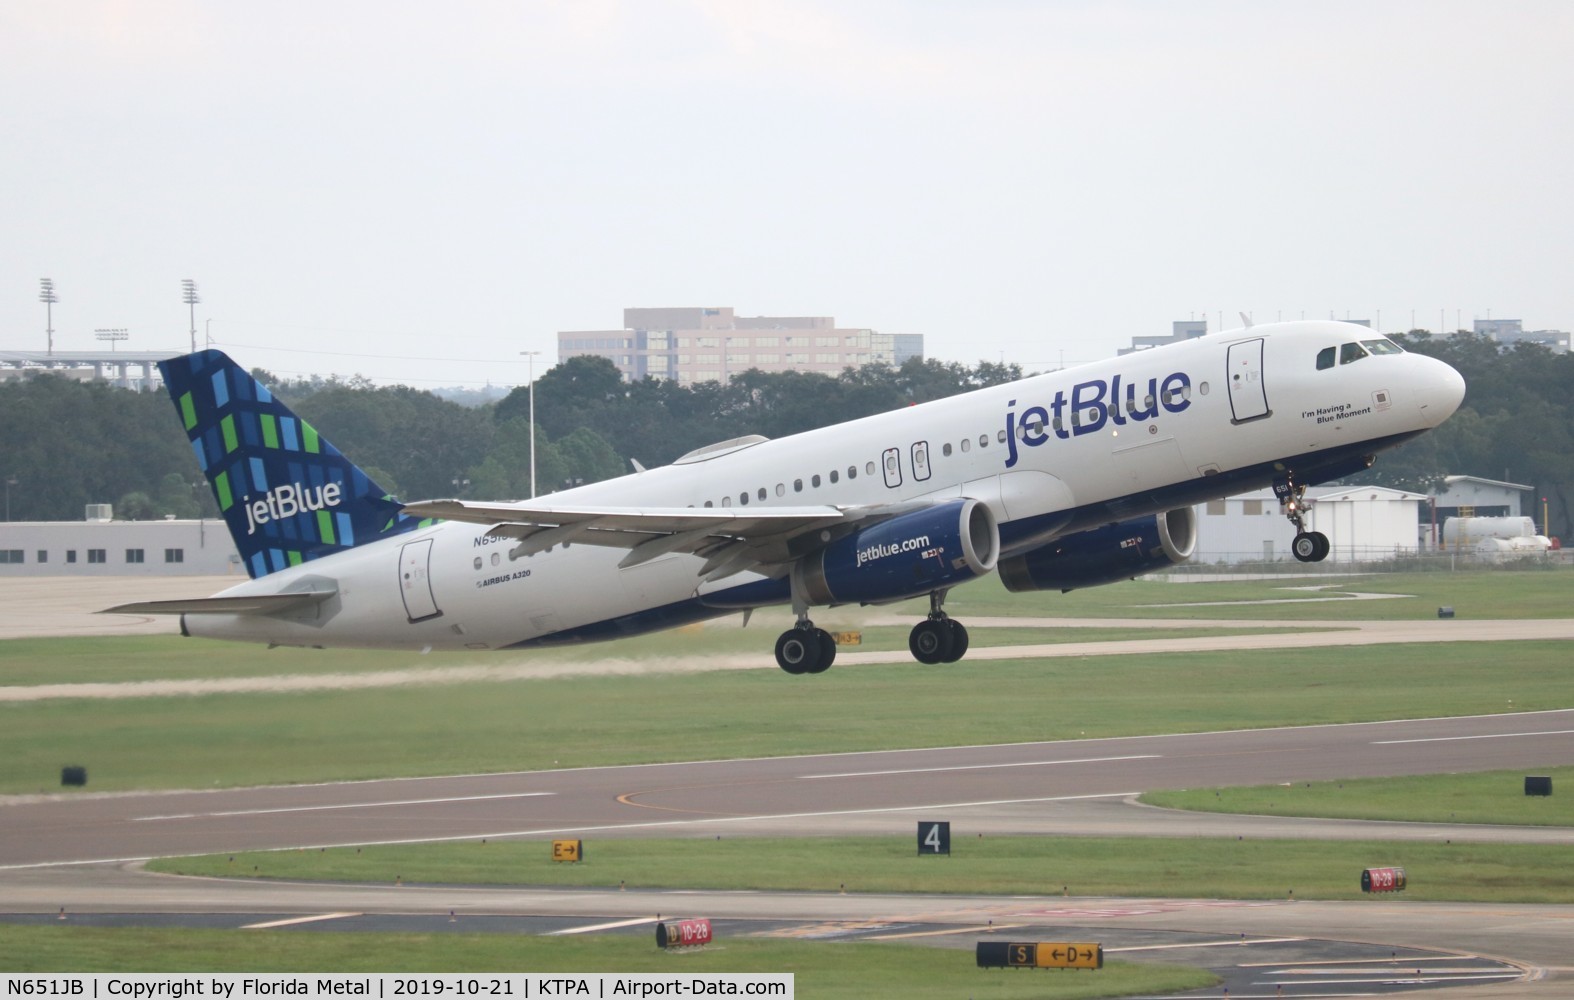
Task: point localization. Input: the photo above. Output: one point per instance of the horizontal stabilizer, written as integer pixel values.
(260, 604)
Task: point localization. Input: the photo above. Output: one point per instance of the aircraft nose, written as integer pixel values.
(1442, 392)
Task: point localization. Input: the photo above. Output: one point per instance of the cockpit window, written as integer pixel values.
(1355, 351)
(1382, 346)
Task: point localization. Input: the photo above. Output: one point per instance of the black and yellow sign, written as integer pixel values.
(568, 850)
(1040, 955)
(848, 638)
(1070, 955)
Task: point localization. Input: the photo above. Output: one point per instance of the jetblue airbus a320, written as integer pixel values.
(1066, 480)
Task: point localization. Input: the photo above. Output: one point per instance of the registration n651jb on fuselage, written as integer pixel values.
(1070, 479)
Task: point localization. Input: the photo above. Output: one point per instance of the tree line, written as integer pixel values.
(67, 443)
(1516, 424)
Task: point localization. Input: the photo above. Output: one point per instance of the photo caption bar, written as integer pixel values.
(391, 986)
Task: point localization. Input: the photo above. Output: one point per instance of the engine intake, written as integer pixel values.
(906, 556)
(1108, 554)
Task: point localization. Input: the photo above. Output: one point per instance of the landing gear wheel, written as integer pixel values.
(931, 641)
(1310, 546)
(798, 651)
(958, 638)
(827, 651)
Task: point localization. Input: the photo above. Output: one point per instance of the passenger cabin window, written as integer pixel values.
(1325, 358)
(1351, 352)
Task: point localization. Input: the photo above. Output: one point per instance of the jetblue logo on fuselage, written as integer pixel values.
(1094, 404)
(289, 500)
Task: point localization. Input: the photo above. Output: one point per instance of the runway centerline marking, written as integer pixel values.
(341, 805)
(1230, 943)
(980, 767)
(944, 933)
(1485, 736)
(592, 928)
(298, 920)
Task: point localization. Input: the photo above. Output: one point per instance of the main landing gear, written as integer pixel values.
(938, 638)
(805, 649)
(1308, 546)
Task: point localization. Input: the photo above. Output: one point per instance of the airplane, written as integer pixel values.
(1070, 479)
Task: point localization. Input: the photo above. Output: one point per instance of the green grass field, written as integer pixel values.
(1204, 868)
(270, 738)
(844, 971)
(275, 737)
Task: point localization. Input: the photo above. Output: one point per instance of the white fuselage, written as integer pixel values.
(1050, 454)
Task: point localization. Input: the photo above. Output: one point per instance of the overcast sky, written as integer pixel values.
(417, 192)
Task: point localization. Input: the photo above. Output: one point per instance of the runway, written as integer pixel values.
(1007, 789)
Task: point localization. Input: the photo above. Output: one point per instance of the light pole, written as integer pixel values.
(114, 336)
(207, 335)
(531, 356)
(46, 295)
(10, 481)
(191, 298)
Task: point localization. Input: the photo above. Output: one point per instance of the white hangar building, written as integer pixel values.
(1363, 524)
(102, 547)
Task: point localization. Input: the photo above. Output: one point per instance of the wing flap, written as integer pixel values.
(730, 539)
(647, 532)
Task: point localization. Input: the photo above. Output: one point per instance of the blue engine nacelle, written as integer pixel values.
(906, 556)
(1114, 552)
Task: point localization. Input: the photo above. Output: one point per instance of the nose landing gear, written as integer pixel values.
(1308, 546)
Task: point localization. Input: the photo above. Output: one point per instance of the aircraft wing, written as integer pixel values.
(731, 539)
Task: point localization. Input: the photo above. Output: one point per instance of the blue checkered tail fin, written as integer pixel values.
(287, 495)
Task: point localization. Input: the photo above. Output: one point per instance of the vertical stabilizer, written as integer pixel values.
(286, 494)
